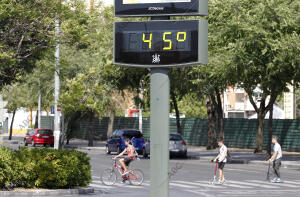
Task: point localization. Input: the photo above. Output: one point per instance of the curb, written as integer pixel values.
(92, 148)
(58, 192)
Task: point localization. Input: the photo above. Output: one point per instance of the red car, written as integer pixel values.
(39, 136)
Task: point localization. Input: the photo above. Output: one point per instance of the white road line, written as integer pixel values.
(146, 184)
(184, 186)
(296, 182)
(284, 184)
(253, 184)
(199, 184)
(230, 185)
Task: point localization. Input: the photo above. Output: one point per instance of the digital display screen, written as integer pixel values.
(126, 8)
(179, 40)
(154, 43)
(153, 1)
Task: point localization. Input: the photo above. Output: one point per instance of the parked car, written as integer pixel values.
(39, 136)
(116, 142)
(177, 146)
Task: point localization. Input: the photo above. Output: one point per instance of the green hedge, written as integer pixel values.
(44, 168)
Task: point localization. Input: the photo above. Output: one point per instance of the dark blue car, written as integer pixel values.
(116, 142)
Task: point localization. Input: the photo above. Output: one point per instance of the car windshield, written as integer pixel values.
(45, 132)
(132, 133)
(175, 138)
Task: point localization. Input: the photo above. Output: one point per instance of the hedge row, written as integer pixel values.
(44, 168)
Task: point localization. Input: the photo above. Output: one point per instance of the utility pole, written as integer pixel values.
(56, 88)
(140, 107)
(39, 108)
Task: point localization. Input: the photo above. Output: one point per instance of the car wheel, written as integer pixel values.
(184, 155)
(25, 143)
(33, 144)
(107, 150)
(145, 155)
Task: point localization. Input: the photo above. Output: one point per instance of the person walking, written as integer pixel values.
(276, 159)
(221, 159)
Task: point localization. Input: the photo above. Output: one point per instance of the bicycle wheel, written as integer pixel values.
(108, 177)
(136, 177)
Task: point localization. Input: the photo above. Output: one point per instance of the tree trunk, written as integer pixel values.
(91, 130)
(36, 119)
(179, 130)
(110, 124)
(211, 135)
(220, 114)
(11, 125)
(270, 125)
(260, 132)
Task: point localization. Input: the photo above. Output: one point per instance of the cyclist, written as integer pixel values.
(130, 156)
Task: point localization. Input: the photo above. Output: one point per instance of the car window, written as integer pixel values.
(175, 137)
(132, 133)
(32, 132)
(45, 132)
(115, 134)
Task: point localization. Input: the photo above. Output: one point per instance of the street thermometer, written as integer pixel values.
(159, 44)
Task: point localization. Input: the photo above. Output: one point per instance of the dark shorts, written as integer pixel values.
(127, 161)
(221, 165)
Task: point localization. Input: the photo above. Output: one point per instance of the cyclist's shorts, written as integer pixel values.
(127, 161)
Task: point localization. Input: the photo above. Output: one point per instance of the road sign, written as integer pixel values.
(161, 43)
(125, 8)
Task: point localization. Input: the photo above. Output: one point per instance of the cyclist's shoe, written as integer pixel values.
(123, 180)
(125, 173)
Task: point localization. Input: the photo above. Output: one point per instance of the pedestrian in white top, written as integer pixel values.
(221, 159)
(276, 159)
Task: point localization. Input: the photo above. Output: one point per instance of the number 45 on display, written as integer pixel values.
(181, 37)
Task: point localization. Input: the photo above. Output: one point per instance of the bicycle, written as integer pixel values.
(109, 176)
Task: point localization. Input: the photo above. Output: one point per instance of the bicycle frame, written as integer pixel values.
(120, 170)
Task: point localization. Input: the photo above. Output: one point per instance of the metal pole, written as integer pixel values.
(56, 89)
(159, 128)
(39, 108)
(140, 107)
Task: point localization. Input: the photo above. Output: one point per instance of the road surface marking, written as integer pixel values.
(184, 186)
(277, 184)
(207, 184)
(253, 184)
(230, 185)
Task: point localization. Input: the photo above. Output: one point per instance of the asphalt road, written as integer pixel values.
(193, 178)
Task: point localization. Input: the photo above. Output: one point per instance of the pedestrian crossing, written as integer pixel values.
(205, 185)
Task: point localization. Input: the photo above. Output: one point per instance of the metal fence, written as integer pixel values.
(239, 133)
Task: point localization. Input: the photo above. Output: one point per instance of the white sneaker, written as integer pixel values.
(278, 180)
(274, 180)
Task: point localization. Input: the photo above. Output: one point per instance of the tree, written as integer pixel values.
(25, 34)
(14, 101)
(193, 105)
(262, 47)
